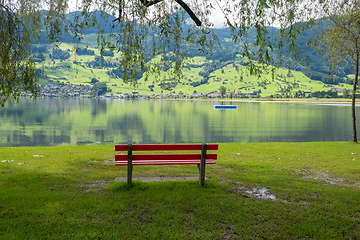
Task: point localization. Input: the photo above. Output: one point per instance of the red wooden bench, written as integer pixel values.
(201, 159)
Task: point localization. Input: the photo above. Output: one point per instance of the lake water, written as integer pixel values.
(88, 121)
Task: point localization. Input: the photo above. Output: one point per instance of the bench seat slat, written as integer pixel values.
(165, 156)
(165, 147)
(164, 162)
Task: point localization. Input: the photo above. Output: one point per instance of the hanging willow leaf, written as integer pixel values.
(17, 70)
(144, 31)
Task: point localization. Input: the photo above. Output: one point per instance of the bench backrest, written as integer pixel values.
(157, 159)
(165, 147)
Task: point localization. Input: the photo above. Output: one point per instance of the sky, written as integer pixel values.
(217, 17)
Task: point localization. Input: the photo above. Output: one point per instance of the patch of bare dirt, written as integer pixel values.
(156, 179)
(314, 175)
(256, 192)
(96, 185)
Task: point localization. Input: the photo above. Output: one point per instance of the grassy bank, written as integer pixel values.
(256, 190)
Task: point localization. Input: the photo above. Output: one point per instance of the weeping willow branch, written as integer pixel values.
(191, 13)
(17, 70)
(150, 3)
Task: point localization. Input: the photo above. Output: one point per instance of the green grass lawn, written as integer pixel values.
(69, 192)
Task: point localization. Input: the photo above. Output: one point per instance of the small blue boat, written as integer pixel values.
(222, 107)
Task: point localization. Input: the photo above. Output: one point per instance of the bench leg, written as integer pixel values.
(202, 165)
(129, 175)
(130, 166)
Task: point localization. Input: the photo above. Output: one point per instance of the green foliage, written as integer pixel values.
(59, 54)
(340, 40)
(17, 69)
(85, 51)
(222, 90)
(237, 75)
(323, 94)
(94, 80)
(99, 88)
(346, 93)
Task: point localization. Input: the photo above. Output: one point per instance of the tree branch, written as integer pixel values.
(191, 13)
(150, 3)
(147, 3)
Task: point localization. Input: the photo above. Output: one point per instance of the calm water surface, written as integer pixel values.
(86, 121)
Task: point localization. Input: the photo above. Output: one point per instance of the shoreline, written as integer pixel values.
(266, 100)
(298, 100)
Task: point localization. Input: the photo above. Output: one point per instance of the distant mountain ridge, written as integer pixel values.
(317, 68)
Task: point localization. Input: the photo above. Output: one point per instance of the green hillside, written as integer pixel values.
(202, 75)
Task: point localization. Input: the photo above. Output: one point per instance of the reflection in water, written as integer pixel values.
(98, 107)
(130, 126)
(87, 121)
